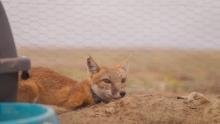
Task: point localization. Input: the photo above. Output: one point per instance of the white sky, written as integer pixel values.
(115, 23)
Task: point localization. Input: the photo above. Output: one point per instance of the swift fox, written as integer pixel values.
(48, 87)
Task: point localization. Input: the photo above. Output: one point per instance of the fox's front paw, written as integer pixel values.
(59, 110)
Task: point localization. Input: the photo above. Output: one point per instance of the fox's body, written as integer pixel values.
(48, 87)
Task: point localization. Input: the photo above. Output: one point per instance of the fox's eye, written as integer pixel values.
(123, 80)
(107, 81)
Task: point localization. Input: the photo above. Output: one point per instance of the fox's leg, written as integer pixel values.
(36, 99)
(58, 109)
(28, 92)
(73, 104)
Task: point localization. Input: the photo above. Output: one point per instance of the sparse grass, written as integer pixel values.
(166, 70)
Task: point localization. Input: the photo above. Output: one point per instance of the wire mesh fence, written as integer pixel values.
(123, 23)
(173, 45)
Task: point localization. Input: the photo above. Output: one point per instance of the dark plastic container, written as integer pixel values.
(10, 64)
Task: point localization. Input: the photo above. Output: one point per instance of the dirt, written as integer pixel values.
(147, 108)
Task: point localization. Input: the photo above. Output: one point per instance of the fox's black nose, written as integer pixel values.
(122, 93)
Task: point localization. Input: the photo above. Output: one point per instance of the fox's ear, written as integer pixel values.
(92, 66)
(125, 67)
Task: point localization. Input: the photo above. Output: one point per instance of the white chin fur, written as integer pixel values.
(117, 96)
(105, 95)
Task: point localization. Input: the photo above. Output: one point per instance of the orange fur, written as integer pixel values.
(48, 87)
(51, 88)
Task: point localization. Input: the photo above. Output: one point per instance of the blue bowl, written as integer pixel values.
(25, 113)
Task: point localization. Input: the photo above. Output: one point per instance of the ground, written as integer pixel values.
(147, 108)
(168, 71)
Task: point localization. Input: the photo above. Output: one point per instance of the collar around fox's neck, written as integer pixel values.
(95, 97)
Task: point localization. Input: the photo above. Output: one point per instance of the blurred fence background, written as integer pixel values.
(173, 45)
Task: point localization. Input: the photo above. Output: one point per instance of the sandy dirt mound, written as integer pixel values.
(147, 108)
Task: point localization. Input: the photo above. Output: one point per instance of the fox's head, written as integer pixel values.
(107, 82)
